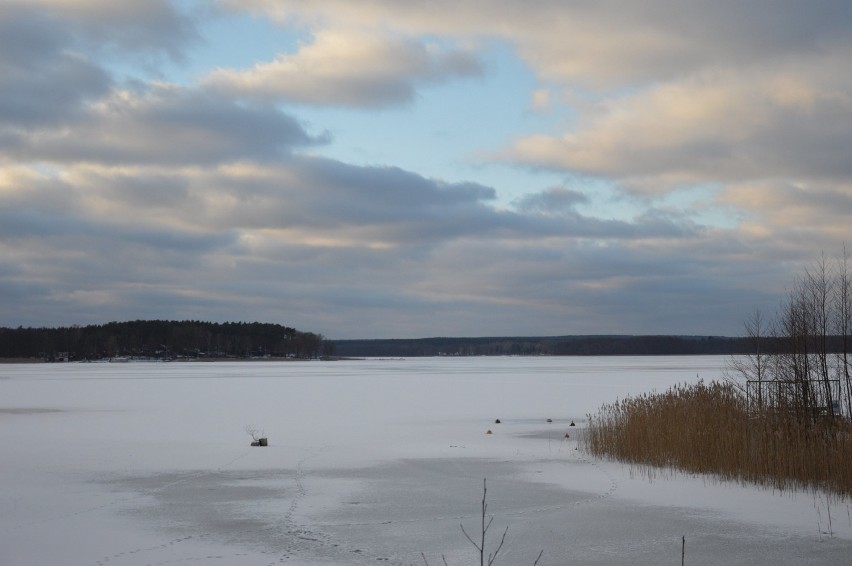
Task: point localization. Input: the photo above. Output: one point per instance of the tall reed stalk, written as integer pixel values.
(707, 428)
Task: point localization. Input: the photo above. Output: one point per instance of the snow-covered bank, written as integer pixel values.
(369, 462)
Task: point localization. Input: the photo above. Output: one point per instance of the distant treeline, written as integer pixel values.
(196, 339)
(159, 339)
(550, 346)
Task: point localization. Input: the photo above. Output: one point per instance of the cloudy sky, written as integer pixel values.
(409, 169)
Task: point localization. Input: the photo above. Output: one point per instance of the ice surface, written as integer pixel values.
(370, 462)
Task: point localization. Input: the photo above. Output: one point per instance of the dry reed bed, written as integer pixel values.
(707, 428)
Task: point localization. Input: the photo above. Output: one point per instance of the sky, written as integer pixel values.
(386, 169)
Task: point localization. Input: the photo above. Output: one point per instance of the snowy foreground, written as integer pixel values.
(369, 462)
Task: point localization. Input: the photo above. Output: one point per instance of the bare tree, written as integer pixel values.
(818, 292)
(801, 362)
(483, 530)
(752, 366)
(485, 526)
(843, 325)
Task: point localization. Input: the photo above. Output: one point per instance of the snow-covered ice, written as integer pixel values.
(369, 462)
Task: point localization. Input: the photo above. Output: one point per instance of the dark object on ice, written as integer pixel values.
(572, 424)
(497, 421)
(488, 431)
(550, 420)
(567, 435)
(260, 442)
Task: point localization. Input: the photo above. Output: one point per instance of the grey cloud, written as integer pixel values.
(103, 236)
(812, 143)
(41, 80)
(726, 33)
(180, 243)
(390, 206)
(17, 225)
(586, 287)
(324, 195)
(381, 193)
(505, 292)
(151, 190)
(758, 29)
(458, 63)
(169, 126)
(555, 200)
(451, 255)
(89, 271)
(529, 287)
(29, 34)
(144, 28)
(827, 201)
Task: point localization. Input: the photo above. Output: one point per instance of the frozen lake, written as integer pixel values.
(369, 462)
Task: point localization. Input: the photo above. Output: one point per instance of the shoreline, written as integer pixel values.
(178, 360)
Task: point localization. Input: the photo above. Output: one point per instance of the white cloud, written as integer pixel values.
(800, 216)
(722, 126)
(605, 43)
(699, 93)
(540, 101)
(348, 68)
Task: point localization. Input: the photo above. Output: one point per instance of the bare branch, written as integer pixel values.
(491, 558)
(476, 546)
(485, 525)
(254, 432)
